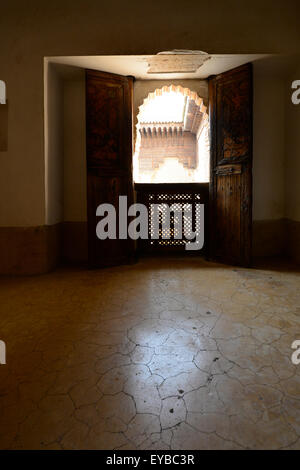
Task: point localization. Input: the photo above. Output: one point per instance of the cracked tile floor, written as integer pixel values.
(164, 354)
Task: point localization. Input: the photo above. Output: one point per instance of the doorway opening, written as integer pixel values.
(172, 138)
(171, 163)
(96, 98)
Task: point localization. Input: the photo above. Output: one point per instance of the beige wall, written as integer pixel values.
(276, 148)
(268, 147)
(276, 165)
(65, 144)
(292, 166)
(22, 166)
(74, 183)
(54, 152)
(31, 31)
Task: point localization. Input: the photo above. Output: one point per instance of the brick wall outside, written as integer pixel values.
(155, 148)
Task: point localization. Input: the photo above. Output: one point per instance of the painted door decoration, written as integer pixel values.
(230, 96)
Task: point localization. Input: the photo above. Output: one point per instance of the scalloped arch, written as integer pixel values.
(199, 108)
(175, 89)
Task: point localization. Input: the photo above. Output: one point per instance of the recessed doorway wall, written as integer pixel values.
(268, 205)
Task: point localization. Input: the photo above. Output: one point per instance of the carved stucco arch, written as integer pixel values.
(192, 95)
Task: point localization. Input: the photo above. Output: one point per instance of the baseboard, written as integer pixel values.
(37, 250)
(276, 238)
(29, 250)
(268, 237)
(74, 242)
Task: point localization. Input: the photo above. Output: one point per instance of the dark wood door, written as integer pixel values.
(230, 96)
(109, 159)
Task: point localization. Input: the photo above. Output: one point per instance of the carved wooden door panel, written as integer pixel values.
(230, 96)
(109, 159)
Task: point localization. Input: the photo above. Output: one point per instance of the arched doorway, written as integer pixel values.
(109, 111)
(172, 138)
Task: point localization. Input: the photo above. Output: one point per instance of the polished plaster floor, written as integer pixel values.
(164, 354)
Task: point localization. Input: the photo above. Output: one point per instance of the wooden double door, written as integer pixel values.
(109, 126)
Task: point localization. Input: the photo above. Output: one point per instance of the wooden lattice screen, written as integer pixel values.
(178, 195)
